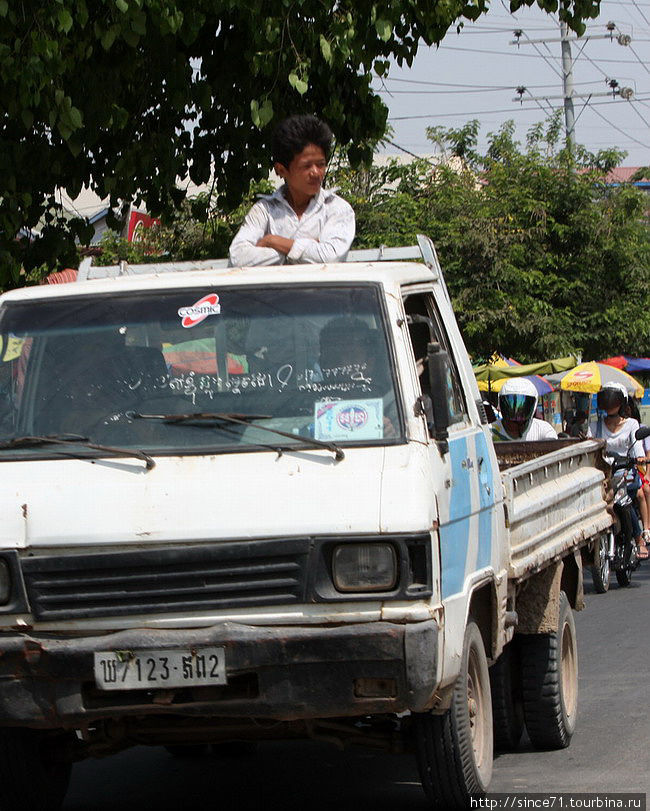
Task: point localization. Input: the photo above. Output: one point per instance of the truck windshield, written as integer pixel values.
(309, 362)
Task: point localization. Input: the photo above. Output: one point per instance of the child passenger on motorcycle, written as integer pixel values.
(618, 430)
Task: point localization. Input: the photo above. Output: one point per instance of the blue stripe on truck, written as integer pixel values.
(486, 494)
(454, 536)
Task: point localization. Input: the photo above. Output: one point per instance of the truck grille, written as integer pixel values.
(192, 578)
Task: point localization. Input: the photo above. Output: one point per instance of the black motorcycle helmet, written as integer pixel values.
(610, 396)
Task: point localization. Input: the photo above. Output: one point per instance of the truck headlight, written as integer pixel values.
(5, 582)
(364, 567)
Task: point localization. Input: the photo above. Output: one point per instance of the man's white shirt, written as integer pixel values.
(538, 429)
(324, 233)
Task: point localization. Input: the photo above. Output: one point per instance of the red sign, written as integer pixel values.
(138, 221)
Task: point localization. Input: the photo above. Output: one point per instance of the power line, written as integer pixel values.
(643, 64)
(641, 117)
(443, 92)
(412, 154)
(636, 6)
(477, 87)
(618, 129)
(490, 112)
(530, 56)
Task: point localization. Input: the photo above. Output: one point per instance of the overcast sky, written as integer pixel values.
(474, 75)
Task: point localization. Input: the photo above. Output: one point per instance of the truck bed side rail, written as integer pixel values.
(554, 503)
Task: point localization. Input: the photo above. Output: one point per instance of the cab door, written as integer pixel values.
(465, 487)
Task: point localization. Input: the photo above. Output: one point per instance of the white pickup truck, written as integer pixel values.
(271, 493)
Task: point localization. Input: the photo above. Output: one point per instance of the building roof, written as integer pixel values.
(624, 174)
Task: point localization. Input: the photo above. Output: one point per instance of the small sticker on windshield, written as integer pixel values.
(200, 310)
(349, 419)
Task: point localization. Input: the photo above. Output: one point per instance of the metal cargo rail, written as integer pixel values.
(554, 503)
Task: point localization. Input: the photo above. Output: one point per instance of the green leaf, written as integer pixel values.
(75, 117)
(65, 20)
(64, 129)
(108, 38)
(122, 5)
(131, 38)
(298, 84)
(326, 50)
(266, 112)
(4, 8)
(255, 113)
(384, 29)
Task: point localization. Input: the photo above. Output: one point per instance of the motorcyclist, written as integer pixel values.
(517, 404)
(618, 430)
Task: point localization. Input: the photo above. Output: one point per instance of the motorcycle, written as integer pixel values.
(617, 550)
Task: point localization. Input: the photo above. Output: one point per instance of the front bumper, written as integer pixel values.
(281, 673)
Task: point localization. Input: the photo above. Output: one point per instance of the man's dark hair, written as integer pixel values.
(293, 134)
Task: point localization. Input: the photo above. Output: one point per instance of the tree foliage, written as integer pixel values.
(541, 258)
(125, 96)
(197, 230)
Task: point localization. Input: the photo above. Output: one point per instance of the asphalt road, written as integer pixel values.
(609, 752)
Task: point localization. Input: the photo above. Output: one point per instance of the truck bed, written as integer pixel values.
(555, 499)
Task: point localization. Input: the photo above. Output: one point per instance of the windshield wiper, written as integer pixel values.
(73, 439)
(239, 419)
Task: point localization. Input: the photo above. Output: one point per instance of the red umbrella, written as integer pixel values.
(619, 361)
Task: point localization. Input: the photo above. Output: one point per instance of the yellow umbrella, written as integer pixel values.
(592, 376)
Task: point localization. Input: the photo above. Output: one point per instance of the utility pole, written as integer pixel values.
(567, 74)
(568, 93)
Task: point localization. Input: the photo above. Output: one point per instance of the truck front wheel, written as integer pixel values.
(454, 750)
(31, 776)
(549, 665)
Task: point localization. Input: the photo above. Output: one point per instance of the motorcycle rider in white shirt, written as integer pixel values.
(517, 404)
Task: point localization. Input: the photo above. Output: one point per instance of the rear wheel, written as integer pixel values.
(507, 707)
(600, 571)
(31, 776)
(627, 564)
(550, 682)
(454, 750)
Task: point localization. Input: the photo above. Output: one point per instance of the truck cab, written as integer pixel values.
(247, 493)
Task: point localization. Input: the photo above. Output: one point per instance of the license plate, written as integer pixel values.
(128, 670)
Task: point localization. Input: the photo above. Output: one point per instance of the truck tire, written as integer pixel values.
(454, 750)
(600, 571)
(507, 705)
(235, 749)
(187, 750)
(549, 664)
(30, 779)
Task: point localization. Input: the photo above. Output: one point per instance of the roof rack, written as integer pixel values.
(424, 250)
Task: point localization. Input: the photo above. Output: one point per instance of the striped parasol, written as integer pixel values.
(590, 377)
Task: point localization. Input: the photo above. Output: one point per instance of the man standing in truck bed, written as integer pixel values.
(301, 222)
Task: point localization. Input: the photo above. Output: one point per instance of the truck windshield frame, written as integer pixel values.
(315, 361)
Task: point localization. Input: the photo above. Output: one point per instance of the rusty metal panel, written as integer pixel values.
(554, 502)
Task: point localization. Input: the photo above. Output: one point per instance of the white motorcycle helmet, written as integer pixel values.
(518, 402)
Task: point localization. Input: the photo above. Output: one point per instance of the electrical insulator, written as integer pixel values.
(626, 93)
(624, 39)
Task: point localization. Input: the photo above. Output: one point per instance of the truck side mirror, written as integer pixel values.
(440, 379)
